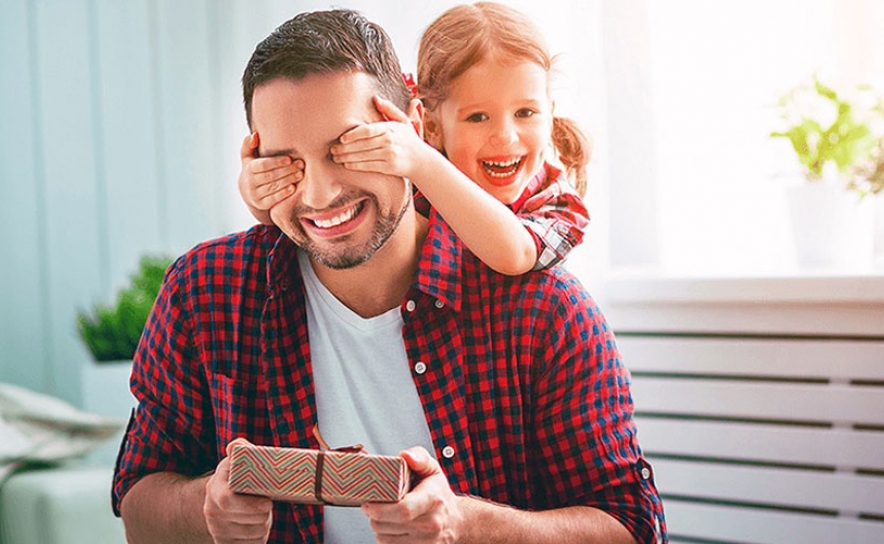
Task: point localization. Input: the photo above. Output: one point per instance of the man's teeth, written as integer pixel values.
(337, 220)
(502, 169)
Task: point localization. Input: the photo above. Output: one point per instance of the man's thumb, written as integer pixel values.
(420, 461)
(236, 441)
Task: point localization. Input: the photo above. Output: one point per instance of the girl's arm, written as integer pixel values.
(485, 225)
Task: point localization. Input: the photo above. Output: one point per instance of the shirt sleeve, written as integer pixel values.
(586, 445)
(556, 217)
(168, 429)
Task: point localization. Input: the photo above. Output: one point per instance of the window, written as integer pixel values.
(696, 184)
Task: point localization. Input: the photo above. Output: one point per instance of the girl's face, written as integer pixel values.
(495, 125)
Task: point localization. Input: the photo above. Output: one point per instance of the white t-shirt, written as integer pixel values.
(365, 393)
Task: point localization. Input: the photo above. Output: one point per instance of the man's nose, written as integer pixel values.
(320, 186)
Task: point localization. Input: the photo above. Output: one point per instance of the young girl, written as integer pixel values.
(483, 77)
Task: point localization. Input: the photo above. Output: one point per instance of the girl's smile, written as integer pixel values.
(496, 134)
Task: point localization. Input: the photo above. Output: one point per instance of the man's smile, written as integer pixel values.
(340, 217)
(336, 222)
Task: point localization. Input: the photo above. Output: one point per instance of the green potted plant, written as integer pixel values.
(837, 142)
(827, 130)
(111, 332)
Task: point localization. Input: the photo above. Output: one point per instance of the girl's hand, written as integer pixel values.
(264, 182)
(391, 147)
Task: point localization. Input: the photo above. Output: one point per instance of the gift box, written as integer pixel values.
(308, 476)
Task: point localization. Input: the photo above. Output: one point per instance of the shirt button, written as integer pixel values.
(420, 367)
(410, 305)
(646, 473)
(284, 285)
(448, 452)
(439, 304)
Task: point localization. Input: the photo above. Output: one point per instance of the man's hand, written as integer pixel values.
(429, 513)
(232, 517)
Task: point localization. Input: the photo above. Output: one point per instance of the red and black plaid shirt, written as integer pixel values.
(524, 392)
(552, 211)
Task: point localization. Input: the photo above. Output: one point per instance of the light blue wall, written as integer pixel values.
(119, 127)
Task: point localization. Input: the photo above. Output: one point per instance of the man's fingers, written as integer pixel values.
(234, 531)
(237, 507)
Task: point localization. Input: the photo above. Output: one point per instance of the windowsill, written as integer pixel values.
(812, 287)
(818, 304)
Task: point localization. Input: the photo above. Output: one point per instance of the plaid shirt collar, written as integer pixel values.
(438, 273)
(439, 269)
(533, 187)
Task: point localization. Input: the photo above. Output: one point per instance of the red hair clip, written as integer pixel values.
(409, 82)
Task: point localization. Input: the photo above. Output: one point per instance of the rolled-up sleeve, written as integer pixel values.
(587, 449)
(170, 430)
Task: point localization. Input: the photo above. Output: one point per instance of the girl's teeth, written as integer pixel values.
(502, 164)
(501, 169)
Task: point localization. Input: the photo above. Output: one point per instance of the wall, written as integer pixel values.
(110, 137)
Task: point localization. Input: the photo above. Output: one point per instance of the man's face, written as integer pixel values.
(339, 217)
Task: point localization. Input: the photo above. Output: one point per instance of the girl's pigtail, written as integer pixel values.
(574, 150)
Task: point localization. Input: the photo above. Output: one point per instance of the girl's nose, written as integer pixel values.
(504, 133)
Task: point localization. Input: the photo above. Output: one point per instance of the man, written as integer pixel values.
(371, 320)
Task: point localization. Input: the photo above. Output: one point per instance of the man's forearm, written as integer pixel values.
(166, 508)
(490, 522)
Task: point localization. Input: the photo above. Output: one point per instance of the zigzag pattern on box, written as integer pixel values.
(282, 473)
(348, 479)
(374, 478)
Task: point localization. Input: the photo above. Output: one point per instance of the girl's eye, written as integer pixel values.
(525, 112)
(477, 118)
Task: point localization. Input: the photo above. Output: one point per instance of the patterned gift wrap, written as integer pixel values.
(290, 474)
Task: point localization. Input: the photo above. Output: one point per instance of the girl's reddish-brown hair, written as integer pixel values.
(465, 35)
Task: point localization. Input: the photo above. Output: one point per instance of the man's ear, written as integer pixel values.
(415, 114)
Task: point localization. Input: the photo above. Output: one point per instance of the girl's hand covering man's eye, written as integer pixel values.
(266, 181)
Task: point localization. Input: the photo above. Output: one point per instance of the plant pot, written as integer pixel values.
(832, 228)
(105, 388)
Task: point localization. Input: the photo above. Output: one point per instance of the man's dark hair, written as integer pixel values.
(325, 42)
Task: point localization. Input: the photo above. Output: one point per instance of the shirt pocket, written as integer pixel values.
(240, 410)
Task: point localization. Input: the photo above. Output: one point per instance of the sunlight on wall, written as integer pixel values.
(717, 71)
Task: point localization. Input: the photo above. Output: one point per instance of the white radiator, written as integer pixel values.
(760, 434)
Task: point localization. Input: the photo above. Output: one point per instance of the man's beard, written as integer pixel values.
(341, 256)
